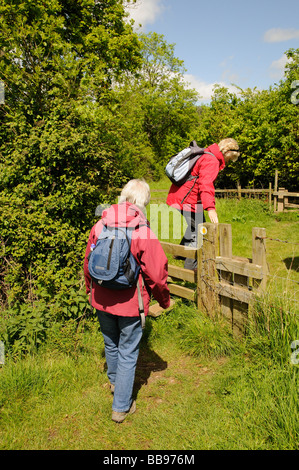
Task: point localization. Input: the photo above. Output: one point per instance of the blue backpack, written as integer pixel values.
(111, 263)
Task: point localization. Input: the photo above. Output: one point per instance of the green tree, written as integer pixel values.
(288, 162)
(218, 121)
(58, 149)
(163, 105)
(265, 123)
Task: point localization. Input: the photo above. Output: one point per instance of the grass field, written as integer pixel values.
(197, 386)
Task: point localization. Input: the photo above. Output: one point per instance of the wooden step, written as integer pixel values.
(155, 310)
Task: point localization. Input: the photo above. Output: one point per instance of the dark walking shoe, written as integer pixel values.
(119, 416)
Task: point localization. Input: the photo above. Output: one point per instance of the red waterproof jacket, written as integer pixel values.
(148, 252)
(206, 168)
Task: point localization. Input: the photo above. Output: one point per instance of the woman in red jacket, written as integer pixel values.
(198, 194)
(118, 310)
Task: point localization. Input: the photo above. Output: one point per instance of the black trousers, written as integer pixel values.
(193, 219)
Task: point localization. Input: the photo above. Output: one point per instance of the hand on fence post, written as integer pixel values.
(213, 216)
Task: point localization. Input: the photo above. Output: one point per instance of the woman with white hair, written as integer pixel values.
(198, 194)
(118, 310)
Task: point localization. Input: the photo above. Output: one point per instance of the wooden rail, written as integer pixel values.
(281, 200)
(223, 282)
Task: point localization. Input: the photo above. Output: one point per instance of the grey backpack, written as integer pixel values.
(179, 167)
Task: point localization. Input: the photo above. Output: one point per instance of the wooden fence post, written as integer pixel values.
(207, 296)
(280, 200)
(285, 199)
(225, 249)
(275, 191)
(259, 256)
(239, 191)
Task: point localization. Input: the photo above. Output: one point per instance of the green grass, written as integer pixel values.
(211, 399)
(197, 386)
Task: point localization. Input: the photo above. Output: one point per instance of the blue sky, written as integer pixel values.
(225, 41)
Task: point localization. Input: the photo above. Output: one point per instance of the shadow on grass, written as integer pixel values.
(292, 262)
(148, 361)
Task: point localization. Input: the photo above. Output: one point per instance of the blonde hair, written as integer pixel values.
(230, 149)
(137, 192)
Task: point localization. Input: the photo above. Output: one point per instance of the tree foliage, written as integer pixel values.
(58, 132)
(161, 105)
(266, 125)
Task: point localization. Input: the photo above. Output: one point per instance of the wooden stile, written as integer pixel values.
(179, 250)
(178, 273)
(223, 282)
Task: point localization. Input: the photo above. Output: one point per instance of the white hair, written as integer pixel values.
(136, 192)
(229, 149)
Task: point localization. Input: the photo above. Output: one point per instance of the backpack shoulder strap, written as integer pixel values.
(98, 228)
(210, 153)
(195, 179)
(140, 291)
